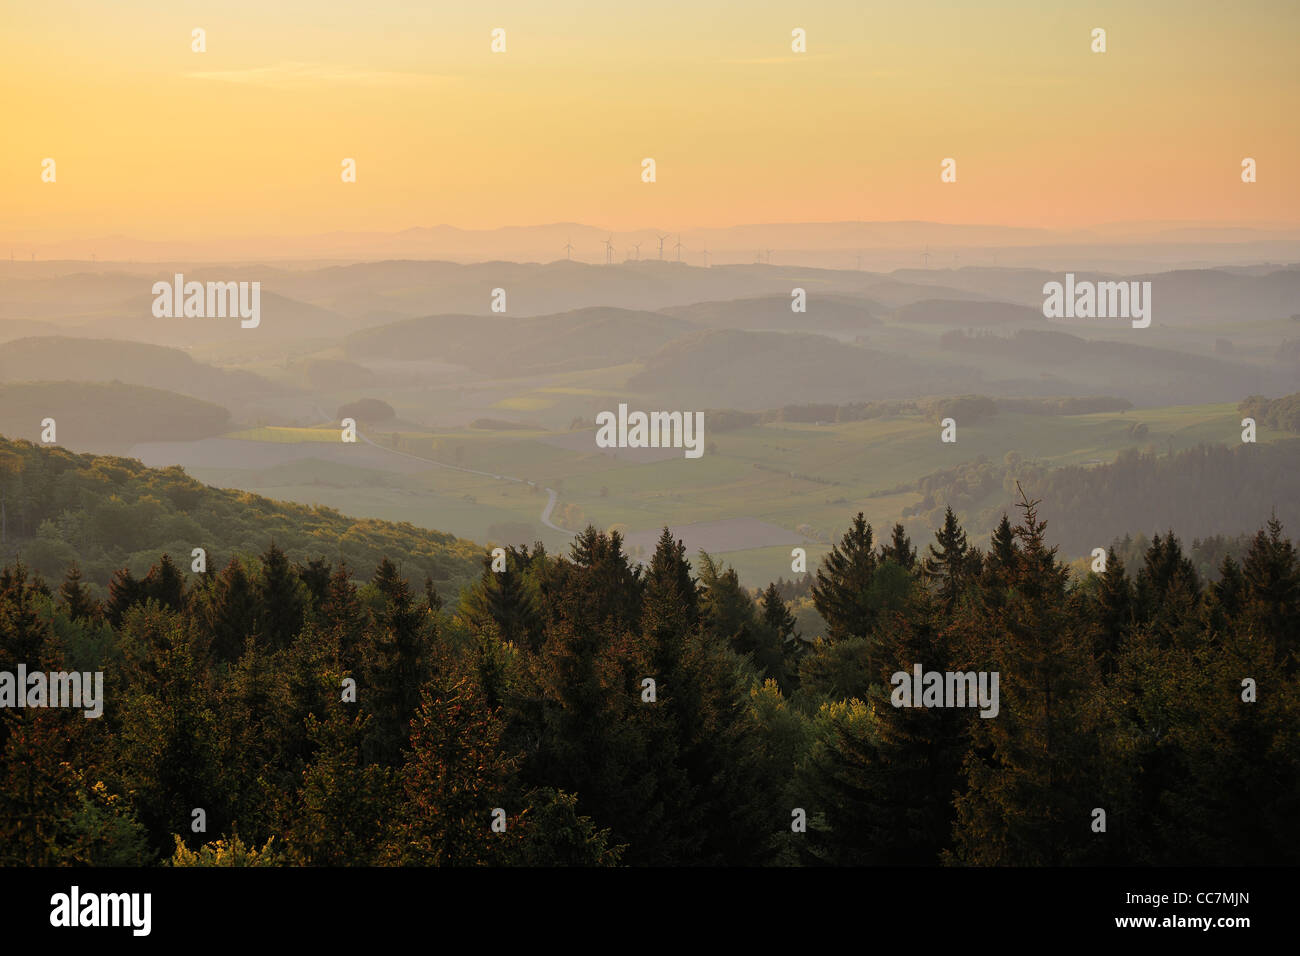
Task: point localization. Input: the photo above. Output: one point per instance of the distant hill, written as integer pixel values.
(119, 305)
(109, 512)
(1180, 296)
(1140, 372)
(824, 311)
(511, 346)
(727, 368)
(60, 358)
(966, 313)
(12, 329)
(106, 417)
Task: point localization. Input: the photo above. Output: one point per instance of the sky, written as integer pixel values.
(153, 140)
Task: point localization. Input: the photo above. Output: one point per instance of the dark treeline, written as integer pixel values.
(1170, 704)
(1203, 491)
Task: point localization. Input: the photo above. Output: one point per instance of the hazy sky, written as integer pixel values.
(155, 141)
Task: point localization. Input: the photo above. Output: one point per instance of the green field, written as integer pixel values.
(275, 433)
(805, 478)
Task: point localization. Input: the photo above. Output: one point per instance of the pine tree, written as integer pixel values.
(1273, 583)
(597, 585)
(671, 605)
(1226, 598)
(394, 663)
(1114, 613)
(1000, 561)
(345, 804)
(432, 599)
(789, 645)
(842, 592)
(508, 599)
(454, 776)
(229, 612)
(344, 619)
(280, 598)
(1168, 591)
(315, 577)
(76, 597)
(1029, 770)
(899, 549)
(123, 591)
(164, 584)
(946, 565)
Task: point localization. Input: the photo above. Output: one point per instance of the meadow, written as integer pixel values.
(808, 479)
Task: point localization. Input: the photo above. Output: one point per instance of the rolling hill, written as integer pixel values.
(824, 311)
(108, 512)
(63, 358)
(512, 346)
(106, 417)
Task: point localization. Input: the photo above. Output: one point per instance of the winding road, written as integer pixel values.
(551, 498)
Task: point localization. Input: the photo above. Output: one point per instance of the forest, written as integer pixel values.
(579, 709)
(105, 513)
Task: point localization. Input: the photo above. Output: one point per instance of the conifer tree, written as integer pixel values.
(280, 598)
(671, 603)
(842, 592)
(1000, 560)
(315, 577)
(454, 776)
(229, 612)
(1272, 577)
(597, 585)
(946, 565)
(123, 592)
(789, 648)
(1114, 613)
(345, 804)
(76, 597)
(899, 549)
(508, 599)
(343, 618)
(1028, 774)
(394, 663)
(165, 584)
(1168, 592)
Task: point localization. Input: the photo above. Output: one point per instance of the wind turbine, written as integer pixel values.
(678, 247)
(925, 256)
(768, 258)
(637, 247)
(661, 247)
(568, 249)
(706, 255)
(609, 250)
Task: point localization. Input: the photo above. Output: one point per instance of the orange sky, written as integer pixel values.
(155, 141)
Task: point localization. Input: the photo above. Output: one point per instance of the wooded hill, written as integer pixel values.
(106, 513)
